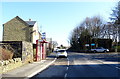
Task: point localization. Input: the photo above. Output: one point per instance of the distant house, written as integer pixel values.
(19, 30)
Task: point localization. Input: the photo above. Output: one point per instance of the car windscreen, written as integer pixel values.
(99, 48)
(61, 51)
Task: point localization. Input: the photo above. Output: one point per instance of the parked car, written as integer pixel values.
(100, 49)
(61, 53)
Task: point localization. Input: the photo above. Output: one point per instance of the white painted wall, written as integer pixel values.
(36, 33)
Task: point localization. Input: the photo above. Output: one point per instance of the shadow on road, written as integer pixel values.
(89, 71)
(51, 56)
(112, 58)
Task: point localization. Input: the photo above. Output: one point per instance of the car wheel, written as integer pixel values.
(57, 56)
(95, 51)
(105, 51)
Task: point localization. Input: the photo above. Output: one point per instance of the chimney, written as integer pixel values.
(29, 19)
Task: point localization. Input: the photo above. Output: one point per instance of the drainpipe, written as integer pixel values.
(36, 50)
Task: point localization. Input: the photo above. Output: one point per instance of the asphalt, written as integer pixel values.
(29, 70)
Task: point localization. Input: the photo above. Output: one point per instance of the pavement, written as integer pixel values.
(29, 70)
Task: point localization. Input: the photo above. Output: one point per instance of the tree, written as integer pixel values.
(115, 18)
(88, 29)
(54, 43)
(93, 25)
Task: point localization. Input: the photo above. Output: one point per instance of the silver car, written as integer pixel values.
(100, 49)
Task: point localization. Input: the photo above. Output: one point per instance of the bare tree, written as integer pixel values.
(54, 43)
(94, 25)
(115, 18)
(88, 29)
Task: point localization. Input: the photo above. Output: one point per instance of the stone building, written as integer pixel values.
(19, 30)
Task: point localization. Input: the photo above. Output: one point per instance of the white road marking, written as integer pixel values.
(54, 60)
(65, 76)
(39, 70)
(67, 68)
(117, 67)
(68, 61)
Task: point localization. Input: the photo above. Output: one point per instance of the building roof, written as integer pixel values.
(30, 23)
(18, 18)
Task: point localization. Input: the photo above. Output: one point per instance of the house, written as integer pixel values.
(19, 30)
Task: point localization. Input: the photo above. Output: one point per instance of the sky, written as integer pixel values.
(57, 19)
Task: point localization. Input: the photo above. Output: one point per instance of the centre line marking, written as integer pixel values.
(67, 68)
(68, 61)
(117, 67)
(65, 76)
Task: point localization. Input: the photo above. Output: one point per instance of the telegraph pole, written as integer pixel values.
(116, 50)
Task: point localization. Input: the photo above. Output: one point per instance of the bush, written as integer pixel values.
(5, 54)
(118, 48)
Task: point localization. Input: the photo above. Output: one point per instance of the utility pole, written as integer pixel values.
(116, 41)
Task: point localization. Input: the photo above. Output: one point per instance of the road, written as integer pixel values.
(83, 66)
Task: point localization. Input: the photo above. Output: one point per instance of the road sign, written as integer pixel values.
(43, 35)
(87, 45)
(93, 44)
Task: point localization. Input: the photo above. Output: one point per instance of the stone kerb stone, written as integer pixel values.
(1, 63)
(11, 60)
(17, 59)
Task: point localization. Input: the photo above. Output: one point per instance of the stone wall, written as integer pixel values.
(21, 49)
(27, 52)
(24, 55)
(10, 64)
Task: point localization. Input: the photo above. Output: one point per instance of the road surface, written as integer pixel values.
(83, 66)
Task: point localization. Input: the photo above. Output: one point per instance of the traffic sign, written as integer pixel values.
(93, 44)
(87, 45)
(43, 35)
